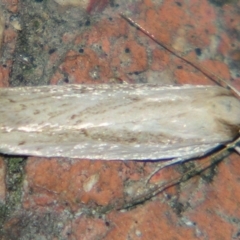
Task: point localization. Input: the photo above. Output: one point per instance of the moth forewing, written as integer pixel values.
(117, 122)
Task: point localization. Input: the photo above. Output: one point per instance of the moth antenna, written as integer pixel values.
(217, 157)
(214, 77)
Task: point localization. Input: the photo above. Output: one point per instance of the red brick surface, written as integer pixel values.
(83, 199)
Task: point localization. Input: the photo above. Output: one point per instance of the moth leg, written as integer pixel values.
(169, 163)
(218, 155)
(159, 187)
(234, 145)
(237, 148)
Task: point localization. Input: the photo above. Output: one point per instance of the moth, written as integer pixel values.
(117, 121)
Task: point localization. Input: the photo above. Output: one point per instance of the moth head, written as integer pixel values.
(226, 109)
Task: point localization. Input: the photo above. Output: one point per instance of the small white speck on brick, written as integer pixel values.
(90, 182)
(138, 233)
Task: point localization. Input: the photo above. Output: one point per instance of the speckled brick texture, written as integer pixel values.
(60, 198)
(2, 181)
